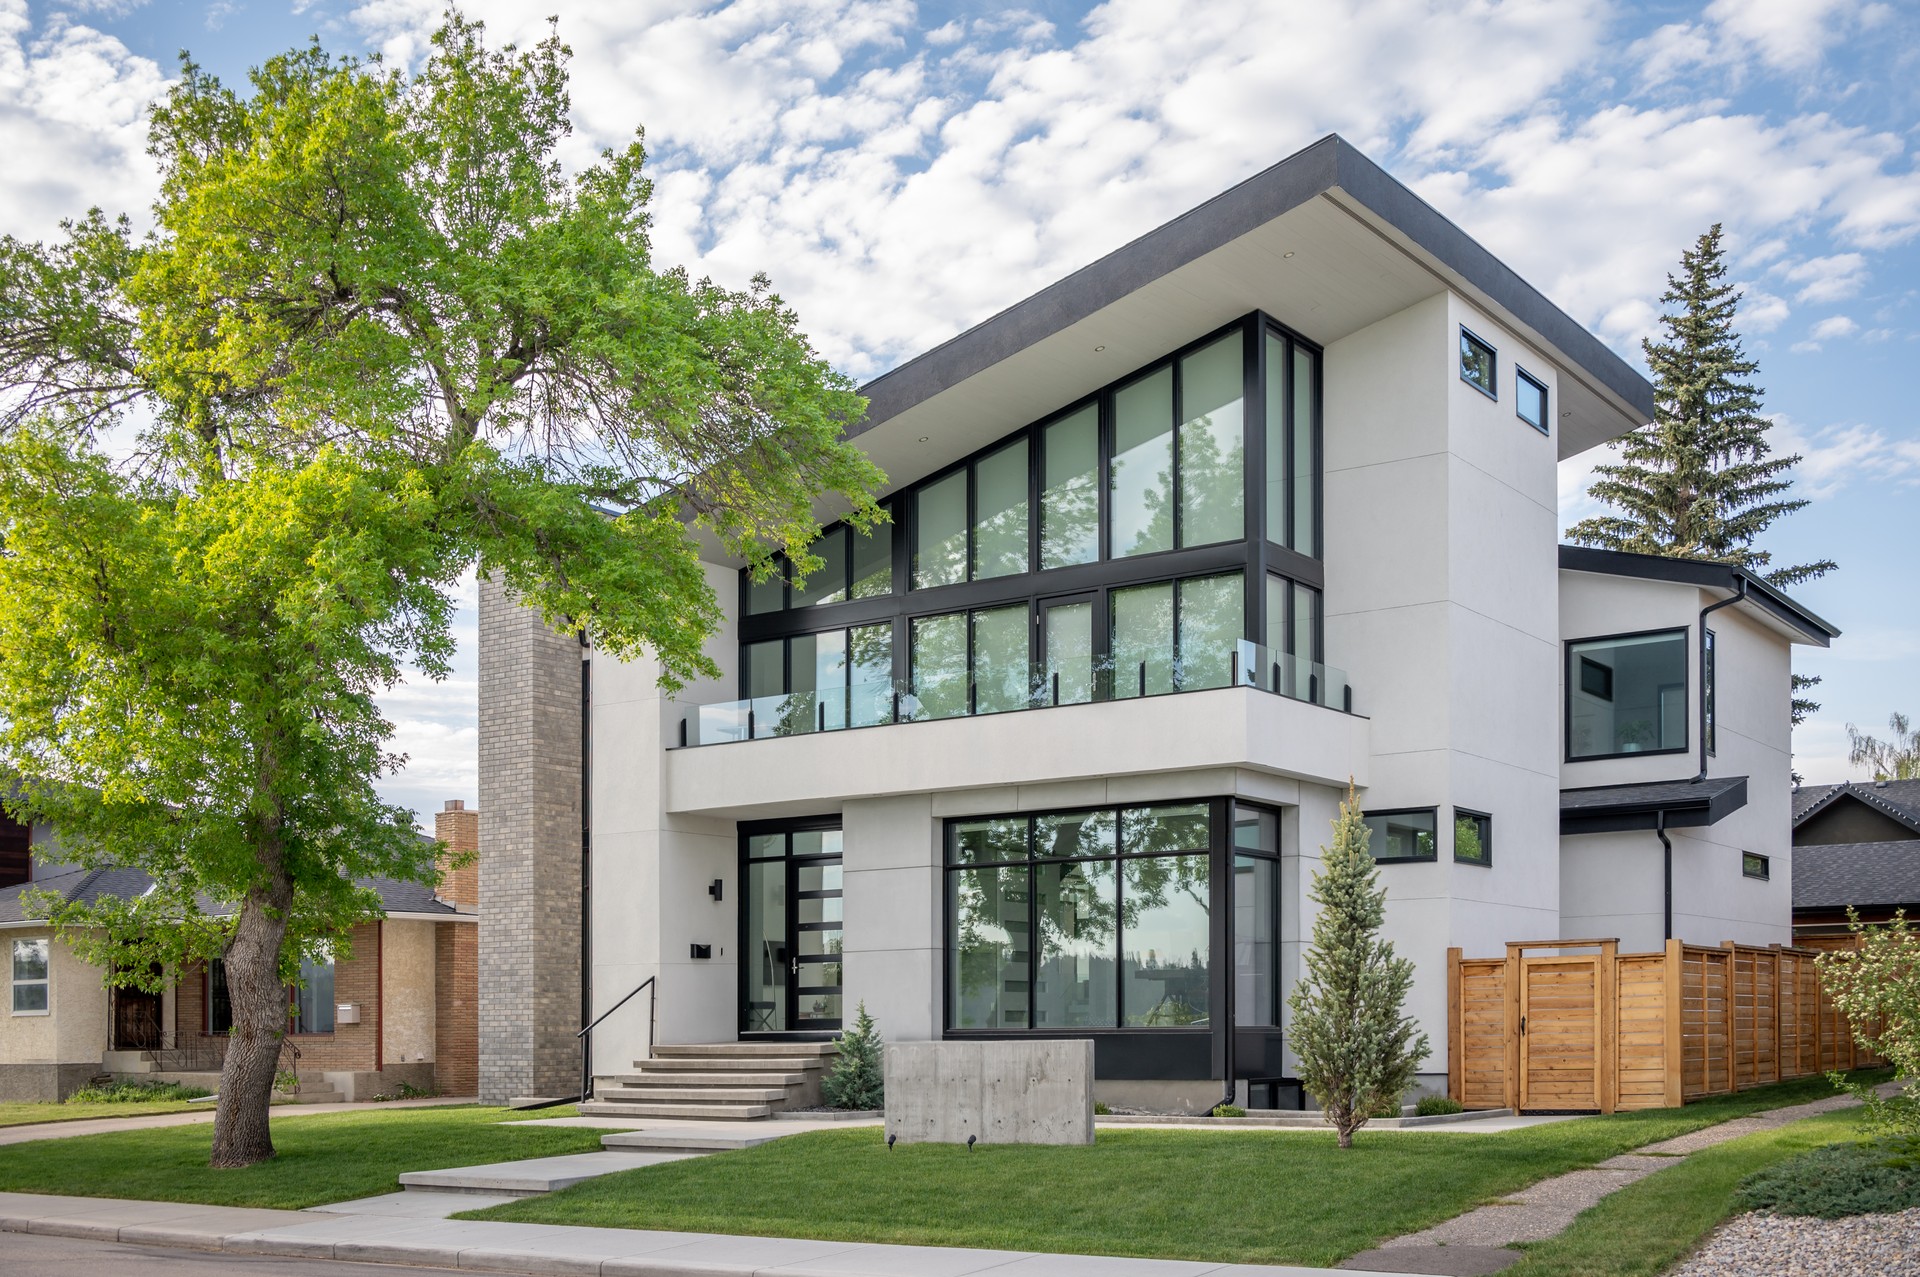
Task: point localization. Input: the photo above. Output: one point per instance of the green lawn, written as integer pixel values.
(328, 1157)
(1248, 1197)
(1652, 1224)
(24, 1114)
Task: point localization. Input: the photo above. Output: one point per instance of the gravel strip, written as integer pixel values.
(1799, 1246)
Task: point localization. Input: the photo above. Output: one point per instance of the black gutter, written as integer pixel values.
(1666, 857)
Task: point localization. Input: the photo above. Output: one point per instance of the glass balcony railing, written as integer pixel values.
(957, 695)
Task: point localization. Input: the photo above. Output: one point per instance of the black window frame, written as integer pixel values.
(1544, 425)
(1765, 865)
(1485, 831)
(1566, 695)
(1469, 337)
(1708, 674)
(1433, 811)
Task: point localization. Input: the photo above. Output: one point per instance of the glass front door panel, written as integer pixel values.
(766, 955)
(791, 932)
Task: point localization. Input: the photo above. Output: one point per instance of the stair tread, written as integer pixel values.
(697, 1064)
(738, 1049)
(698, 1094)
(601, 1108)
(669, 1077)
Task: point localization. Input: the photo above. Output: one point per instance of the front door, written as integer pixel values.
(791, 932)
(136, 1019)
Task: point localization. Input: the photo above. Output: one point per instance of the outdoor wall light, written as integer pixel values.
(714, 888)
(702, 952)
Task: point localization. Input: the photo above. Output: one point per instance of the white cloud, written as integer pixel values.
(1834, 326)
(1831, 457)
(73, 111)
(1827, 279)
(1761, 311)
(1787, 34)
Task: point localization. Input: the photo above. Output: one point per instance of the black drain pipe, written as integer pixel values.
(1666, 856)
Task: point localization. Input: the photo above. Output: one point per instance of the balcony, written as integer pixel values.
(889, 702)
(796, 757)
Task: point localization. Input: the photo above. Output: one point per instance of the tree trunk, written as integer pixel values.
(259, 999)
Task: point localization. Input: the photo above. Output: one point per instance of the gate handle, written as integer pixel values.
(1523, 1024)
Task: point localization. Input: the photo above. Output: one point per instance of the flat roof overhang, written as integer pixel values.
(1764, 602)
(1687, 804)
(1325, 241)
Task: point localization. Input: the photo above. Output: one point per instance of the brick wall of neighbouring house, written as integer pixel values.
(456, 995)
(459, 829)
(190, 1004)
(530, 854)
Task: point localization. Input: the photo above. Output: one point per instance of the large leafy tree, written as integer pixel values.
(1700, 481)
(1895, 758)
(376, 337)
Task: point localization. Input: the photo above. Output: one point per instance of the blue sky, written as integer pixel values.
(905, 170)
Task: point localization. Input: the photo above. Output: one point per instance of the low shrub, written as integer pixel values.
(857, 1081)
(1228, 1110)
(1872, 1178)
(1101, 1110)
(136, 1093)
(1437, 1106)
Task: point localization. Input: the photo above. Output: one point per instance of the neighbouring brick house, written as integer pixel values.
(396, 1003)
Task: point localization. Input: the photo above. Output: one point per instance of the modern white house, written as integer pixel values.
(1256, 508)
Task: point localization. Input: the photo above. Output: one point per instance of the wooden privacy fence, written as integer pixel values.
(1604, 1030)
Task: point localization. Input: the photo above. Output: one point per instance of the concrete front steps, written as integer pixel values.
(725, 1081)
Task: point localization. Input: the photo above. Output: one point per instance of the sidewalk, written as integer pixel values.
(101, 1125)
(545, 1248)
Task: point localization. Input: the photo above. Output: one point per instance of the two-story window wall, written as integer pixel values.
(1160, 535)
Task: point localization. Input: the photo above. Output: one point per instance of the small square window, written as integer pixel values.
(1472, 837)
(31, 977)
(1478, 366)
(1403, 835)
(1754, 866)
(1530, 397)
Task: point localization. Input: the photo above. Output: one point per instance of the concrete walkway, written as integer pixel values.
(545, 1248)
(197, 1117)
(1480, 1242)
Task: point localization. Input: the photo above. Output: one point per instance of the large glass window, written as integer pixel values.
(1627, 695)
(1142, 468)
(1000, 512)
(1293, 450)
(1212, 443)
(940, 532)
(940, 665)
(1001, 666)
(32, 977)
(1067, 661)
(219, 1001)
(1119, 901)
(821, 682)
(1153, 653)
(828, 583)
(1069, 490)
(1212, 620)
(1256, 916)
(1141, 630)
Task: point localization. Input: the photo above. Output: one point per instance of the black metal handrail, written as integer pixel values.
(586, 1035)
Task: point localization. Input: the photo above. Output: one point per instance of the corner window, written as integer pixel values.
(1530, 400)
(1472, 837)
(1293, 447)
(32, 978)
(1403, 835)
(1754, 866)
(1627, 695)
(1478, 366)
(313, 996)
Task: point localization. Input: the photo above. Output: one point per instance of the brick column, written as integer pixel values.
(459, 829)
(530, 854)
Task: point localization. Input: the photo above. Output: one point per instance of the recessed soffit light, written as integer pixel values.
(924, 438)
(1288, 253)
(1098, 349)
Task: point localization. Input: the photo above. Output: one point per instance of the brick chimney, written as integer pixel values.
(459, 829)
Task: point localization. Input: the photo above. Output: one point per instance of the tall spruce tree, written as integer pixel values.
(1700, 480)
(1358, 1048)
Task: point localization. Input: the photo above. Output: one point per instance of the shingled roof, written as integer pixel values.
(88, 885)
(1861, 874)
(1899, 799)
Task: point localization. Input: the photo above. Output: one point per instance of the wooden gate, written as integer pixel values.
(1562, 1068)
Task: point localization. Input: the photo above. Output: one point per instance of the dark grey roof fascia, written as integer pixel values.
(1704, 573)
(1856, 873)
(1305, 175)
(1606, 809)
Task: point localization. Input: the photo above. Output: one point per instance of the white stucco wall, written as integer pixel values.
(406, 991)
(75, 1031)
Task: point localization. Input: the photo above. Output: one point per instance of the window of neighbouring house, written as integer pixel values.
(1627, 695)
(32, 977)
(1530, 399)
(16, 851)
(219, 1004)
(313, 996)
(1479, 367)
(1472, 837)
(1755, 866)
(1404, 835)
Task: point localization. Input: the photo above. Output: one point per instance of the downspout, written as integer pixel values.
(1666, 857)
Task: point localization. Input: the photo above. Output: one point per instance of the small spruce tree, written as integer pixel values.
(1358, 1050)
(1700, 481)
(856, 1081)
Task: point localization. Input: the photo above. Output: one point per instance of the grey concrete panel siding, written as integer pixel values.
(530, 852)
